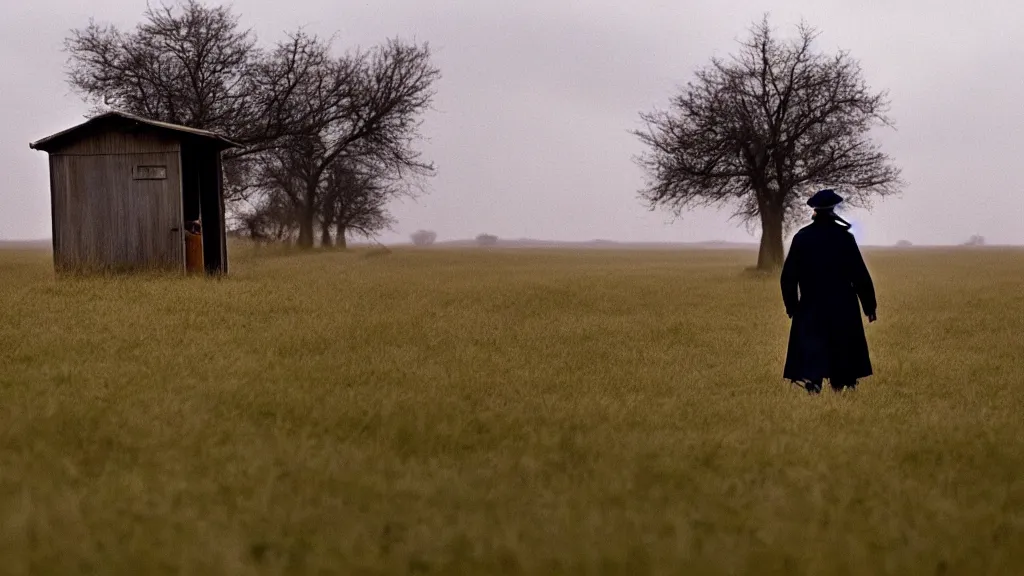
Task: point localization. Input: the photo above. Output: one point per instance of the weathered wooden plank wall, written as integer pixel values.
(105, 218)
(120, 142)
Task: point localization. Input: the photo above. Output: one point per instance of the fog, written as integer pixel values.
(530, 131)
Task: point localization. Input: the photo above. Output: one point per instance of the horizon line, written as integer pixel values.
(597, 241)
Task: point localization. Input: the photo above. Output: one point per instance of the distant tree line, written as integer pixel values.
(328, 140)
(427, 238)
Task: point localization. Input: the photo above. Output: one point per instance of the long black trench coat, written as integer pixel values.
(822, 279)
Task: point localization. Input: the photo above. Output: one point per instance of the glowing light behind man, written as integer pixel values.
(857, 226)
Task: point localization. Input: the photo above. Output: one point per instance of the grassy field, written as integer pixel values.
(504, 412)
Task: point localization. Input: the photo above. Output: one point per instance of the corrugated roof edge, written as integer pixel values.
(37, 145)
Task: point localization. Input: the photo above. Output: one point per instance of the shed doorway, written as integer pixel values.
(202, 209)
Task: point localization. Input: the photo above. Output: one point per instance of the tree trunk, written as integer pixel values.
(306, 228)
(307, 219)
(327, 221)
(771, 255)
(342, 242)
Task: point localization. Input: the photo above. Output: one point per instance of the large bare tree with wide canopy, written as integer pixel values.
(763, 129)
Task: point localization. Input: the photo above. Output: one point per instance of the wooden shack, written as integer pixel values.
(125, 190)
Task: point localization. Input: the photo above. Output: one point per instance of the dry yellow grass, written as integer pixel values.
(481, 412)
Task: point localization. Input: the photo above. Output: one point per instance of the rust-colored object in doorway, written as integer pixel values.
(194, 248)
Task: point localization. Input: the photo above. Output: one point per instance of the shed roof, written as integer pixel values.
(54, 141)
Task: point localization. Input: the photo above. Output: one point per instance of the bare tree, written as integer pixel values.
(364, 106)
(763, 129)
(266, 217)
(297, 108)
(187, 65)
(354, 203)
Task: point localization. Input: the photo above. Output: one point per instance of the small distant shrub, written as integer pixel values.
(976, 240)
(423, 237)
(904, 244)
(486, 240)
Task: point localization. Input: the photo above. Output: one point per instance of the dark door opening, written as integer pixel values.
(203, 208)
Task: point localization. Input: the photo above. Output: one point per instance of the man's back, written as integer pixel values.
(822, 279)
(825, 262)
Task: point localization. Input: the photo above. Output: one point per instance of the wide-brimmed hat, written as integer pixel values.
(824, 199)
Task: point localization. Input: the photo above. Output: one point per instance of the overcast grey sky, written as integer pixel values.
(530, 134)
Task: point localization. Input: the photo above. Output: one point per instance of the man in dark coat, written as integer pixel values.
(822, 279)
